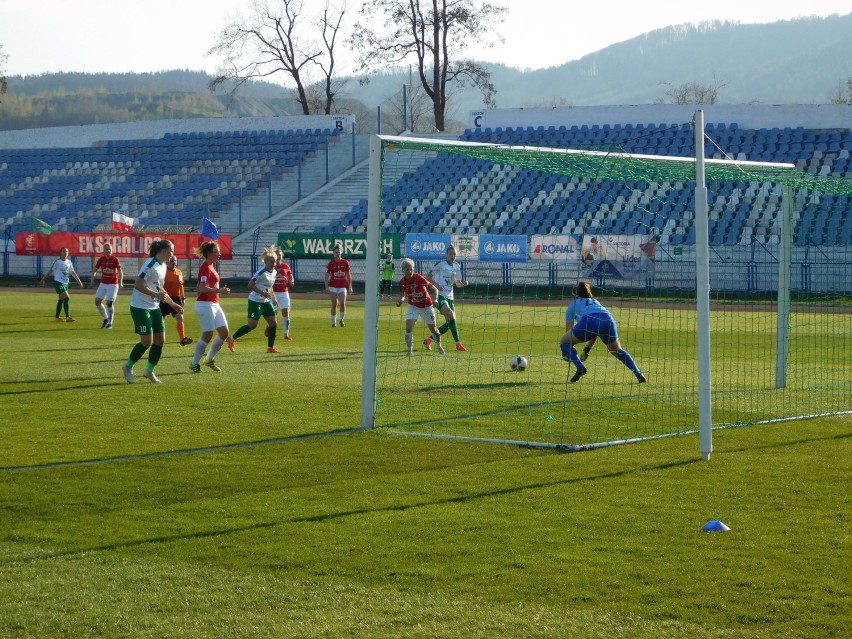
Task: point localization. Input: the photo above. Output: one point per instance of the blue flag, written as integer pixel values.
(209, 230)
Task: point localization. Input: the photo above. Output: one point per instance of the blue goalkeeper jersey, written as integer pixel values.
(584, 306)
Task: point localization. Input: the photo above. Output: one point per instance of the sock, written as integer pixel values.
(136, 354)
(270, 339)
(215, 345)
(409, 340)
(154, 356)
(200, 346)
(58, 308)
(66, 303)
(333, 318)
(624, 357)
(342, 315)
(443, 328)
(110, 313)
(242, 330)
(181, 329)
(287, 325)
(571, 352)
(102, 310)
(454, 330)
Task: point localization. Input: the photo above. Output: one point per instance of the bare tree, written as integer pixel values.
(274, 39)
(842, 94)
(547, 103)
(436, 33)
(4, 85)
(692, 92)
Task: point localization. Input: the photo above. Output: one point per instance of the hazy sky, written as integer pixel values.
(40, 36)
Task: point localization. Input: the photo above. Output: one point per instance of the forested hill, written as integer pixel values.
(797, 61)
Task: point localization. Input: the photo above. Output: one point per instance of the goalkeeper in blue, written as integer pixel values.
(585, 320)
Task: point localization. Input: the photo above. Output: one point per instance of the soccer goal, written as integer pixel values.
(732, 324)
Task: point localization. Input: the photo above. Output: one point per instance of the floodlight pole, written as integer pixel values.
(702, 281)
(371, 286)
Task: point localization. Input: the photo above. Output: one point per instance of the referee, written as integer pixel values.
(174, 287)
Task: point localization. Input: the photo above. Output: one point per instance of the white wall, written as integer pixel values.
(749, 116)
(87, 135)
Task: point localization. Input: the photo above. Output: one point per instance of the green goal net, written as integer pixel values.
(780, 314)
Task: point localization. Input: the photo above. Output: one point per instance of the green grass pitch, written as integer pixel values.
(212, 506)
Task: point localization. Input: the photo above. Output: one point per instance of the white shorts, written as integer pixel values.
(428, 314)
(337, 291)
(108, 292)
(283, 300)
(210, 316)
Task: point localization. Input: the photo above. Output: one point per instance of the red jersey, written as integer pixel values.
(282, 278)
(109, 268)
(208, 275)
(338, 271)
(416, 291)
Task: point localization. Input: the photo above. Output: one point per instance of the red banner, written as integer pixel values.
(123, 244)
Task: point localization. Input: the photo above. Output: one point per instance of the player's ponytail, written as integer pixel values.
(583, 290)
(157, 246)
(204, 250)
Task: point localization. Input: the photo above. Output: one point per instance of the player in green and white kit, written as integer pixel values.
(261, 301)
(145, 311)
(62, 270)
(445, 275)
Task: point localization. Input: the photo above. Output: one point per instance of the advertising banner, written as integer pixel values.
(321, 245)
(503, 248)
(618, 256)
(561, 248)
(467, 247)
(485, 248)
(123, 244)
(427, 246)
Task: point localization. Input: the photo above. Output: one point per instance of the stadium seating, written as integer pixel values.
(182, 177)
(448, 192)
(179, 177)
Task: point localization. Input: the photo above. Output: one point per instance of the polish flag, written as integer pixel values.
(122, 222)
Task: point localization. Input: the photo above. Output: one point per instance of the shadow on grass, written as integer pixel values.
(550, 484)
(96, 383)
(174, 453)
(87, 347)
(139, 542)
(449, 387)
(459, 499)
(344, 513)
(171, 357)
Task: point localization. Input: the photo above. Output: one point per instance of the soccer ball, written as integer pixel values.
(519, 363)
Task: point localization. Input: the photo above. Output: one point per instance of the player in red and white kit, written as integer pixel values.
(210, 314)
(111, 279)
(283, 281)
(420, 293)
(338, 282)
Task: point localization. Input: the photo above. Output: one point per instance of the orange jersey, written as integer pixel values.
(174, 283)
